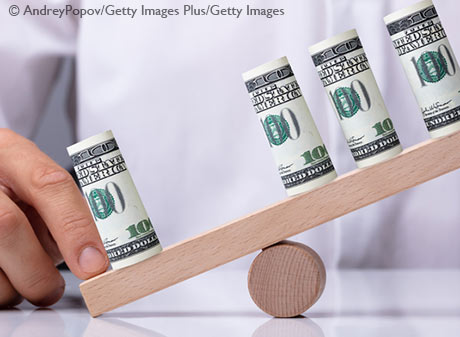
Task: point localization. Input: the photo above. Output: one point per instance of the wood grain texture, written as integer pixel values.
(280, 221)
(286, 279)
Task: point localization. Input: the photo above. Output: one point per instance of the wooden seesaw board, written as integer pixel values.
(354, 190)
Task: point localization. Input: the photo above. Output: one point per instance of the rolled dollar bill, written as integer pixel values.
(302, 159)
(430, 65)
(343, 68)
(121, 219)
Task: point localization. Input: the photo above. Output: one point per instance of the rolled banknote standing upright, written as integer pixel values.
(123, 224)
(343, 68)
(302, 159)
(430, 65)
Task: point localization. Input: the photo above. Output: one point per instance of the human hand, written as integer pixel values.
(43, 220)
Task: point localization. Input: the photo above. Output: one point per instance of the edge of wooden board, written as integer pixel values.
(349, 192)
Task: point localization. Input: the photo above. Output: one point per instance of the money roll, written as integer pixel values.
(430, 65)
(302, 158)
(123, 224)
(343, 68)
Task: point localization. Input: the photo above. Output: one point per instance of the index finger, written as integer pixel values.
(51, 190)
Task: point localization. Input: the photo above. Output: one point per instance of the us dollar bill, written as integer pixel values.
(344, 70)
(302, 158)
(430, 65)
(121, 219)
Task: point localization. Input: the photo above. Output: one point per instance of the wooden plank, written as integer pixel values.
(292, 216)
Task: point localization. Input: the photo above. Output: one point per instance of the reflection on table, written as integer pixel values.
(355, 303)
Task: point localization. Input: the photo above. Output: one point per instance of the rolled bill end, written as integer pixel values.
(257, 71)
(299, 152)
(332, 41)
(407, 11)
(121, 219)
(89, 142)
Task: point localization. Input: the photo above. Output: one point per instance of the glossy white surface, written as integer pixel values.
(355, 303)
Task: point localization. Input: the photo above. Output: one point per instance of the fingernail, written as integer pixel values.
(91, 260)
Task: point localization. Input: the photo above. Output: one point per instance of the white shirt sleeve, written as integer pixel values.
(31, 50)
